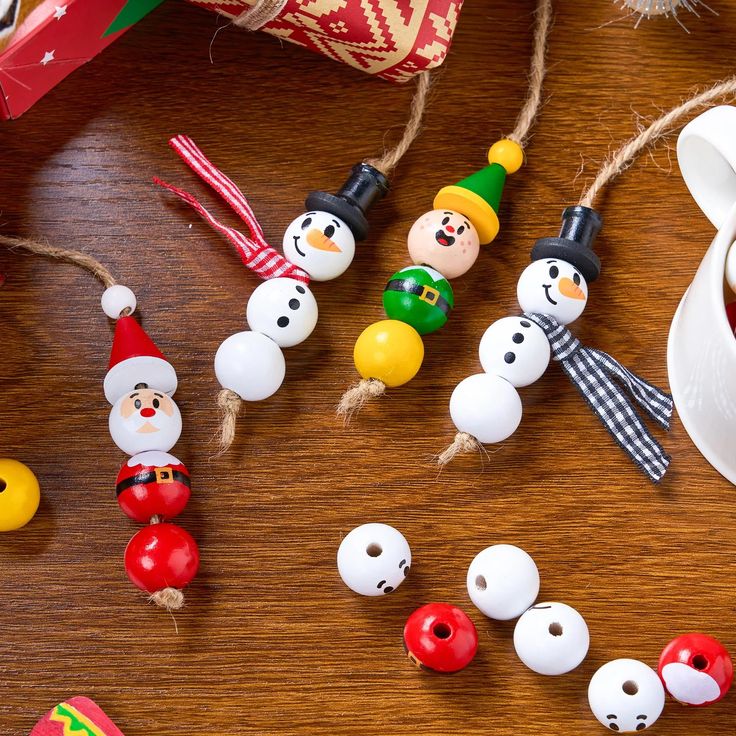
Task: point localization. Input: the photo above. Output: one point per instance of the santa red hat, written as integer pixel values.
(136, 360)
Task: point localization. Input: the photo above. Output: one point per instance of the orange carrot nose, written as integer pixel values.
(317, 239)
(569, 288)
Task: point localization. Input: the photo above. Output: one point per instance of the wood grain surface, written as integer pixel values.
(271, 642)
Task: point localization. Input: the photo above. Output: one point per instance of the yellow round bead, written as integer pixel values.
(19, 495)
(389, 350)
(507, 153)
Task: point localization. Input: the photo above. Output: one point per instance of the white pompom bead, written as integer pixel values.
(116, 299)
(487, 407)
(250, 364)
(626, 695)
(551, 638)
(503, 581)
(373, 559)
(284, 309)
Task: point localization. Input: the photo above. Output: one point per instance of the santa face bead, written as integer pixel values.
(143, 420)
(161, 556)
(444, 240)
(487, 407)
(283, 309)
(515, 349)
(19, 495)
(554, 287)
(551, 638)
(626, 696)
(440, 637)
(152, 484)
(419, 296)
(321, 244)
(696, 669)
(373, 559)
(390, 351)
(503, 581)
(250, 364)
(116, 300)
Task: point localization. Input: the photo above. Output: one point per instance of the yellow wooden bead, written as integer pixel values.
(19, 495)
(507, 153)
(389, 350)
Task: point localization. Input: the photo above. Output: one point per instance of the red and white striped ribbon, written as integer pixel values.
(254, 251)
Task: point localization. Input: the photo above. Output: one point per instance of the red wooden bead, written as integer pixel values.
(161, 556)
(696, 669)
(440, 637)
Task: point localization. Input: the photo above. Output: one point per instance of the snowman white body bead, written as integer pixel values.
(116, 299)
(373, 559)
(626, 695)
(516, 349)
(250, 364)
(555, 287)
(283, 309)
(551, 638)
(503, 581)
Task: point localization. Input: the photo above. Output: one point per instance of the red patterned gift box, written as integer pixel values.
(393, 39)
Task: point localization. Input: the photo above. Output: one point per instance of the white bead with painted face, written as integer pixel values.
(551, 638)
(516, 349)
(320, 243)
(554, 287)
(145, 419)
(626, 695)
(373, 559)
(503, 581)
(284, 309)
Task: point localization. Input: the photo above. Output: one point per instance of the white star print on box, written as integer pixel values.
(59, 11)
(47, 57)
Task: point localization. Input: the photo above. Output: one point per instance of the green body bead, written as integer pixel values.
(419, 296)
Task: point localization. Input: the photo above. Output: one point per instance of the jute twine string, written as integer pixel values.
(262, 12)
(358, 395)
(229, 404)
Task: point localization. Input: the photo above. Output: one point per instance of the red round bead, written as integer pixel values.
(440, 637)
(146, 490)
(696, 669)
(161, 556)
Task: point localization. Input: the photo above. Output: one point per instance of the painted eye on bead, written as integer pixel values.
(156, 403)
(329, 231)
(445, 220)
(137, 404)
(461, 230)
(554, 272)
(307, 222)
(576, 279)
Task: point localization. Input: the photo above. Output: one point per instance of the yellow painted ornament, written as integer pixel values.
(508, 153)
(390, 351)
(19, 495)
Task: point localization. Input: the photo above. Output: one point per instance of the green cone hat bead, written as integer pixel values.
(420, 297)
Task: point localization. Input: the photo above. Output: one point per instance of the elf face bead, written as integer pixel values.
(696, 669)
(19, 495)
(145, 419)
(440, 637)
(373, 559)
(419, 296)
(283, 309)
(321, 244)
(551, 638)
(515, 349)
(503, 581)
(445, 240)
(554, 287)
(626, 696)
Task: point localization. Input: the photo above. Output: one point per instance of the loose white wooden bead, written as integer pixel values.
(626, 695)
(515, 349)
(554, 287)
(551, 638)
(486, 406)
(284, 309)
(503, 581)
(373, 559)
(250, 364)
(117, 299)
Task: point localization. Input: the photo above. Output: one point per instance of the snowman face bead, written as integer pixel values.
(145, 419)
(373, 559)
(554, 287)
(515, 349)
(503, 581)
(551, 638)
(626, 695)
(320, 243)
(283, 309)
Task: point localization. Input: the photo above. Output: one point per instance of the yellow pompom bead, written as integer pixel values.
(507, 153)
(19, 495)
(389, 350)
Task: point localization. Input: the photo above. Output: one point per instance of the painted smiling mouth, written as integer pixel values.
(444, 239)
(546, 288)
(296, 247)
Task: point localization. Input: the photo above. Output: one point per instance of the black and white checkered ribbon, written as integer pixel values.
(593, 372)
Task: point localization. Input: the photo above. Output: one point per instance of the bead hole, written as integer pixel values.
(630, 687)
(3, 485)
(442, 631)
(480, 582)
(555, 629)
(373, 550)
(700, 662)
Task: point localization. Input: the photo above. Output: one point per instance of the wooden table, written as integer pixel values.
(271, 642)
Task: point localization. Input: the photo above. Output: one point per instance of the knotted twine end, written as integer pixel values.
(358, 395)
(229, 403)
(172, 599)
(462, 444)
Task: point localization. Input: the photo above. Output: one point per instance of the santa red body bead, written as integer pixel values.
(440, 637)
(696, 669)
